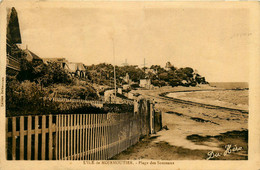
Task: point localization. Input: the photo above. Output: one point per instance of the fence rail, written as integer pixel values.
(76, 136)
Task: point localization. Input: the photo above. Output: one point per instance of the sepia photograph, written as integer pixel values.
(127, 81)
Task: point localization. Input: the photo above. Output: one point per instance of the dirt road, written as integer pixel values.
(193, 132)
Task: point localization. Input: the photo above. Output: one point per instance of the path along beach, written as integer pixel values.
(192, 131)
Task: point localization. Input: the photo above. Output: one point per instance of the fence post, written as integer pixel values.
(13, 138)
(65, 137)
(84, 136)
(29, 137)
(151, 118)
(78, 151)
(36, 138)
(56, 137)
(59, 139)
(21, 137)
(80, 136)
(43, 136)
(88, 133)
(6, 138)
(69, 136)
(50, 137)
(91, 137)
(62, 136)
(74, 136)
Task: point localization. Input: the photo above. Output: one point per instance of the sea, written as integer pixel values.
(230, 85)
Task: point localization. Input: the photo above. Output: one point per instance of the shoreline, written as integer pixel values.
(208, 102)
(191, 131)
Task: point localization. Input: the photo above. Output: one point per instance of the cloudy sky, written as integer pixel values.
(214, 41)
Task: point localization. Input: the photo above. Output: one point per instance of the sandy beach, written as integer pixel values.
(193, 131)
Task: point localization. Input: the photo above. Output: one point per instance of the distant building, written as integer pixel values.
(168, 66)
(75, 69)
(126, 86)
(145, 83)
(108, 95)
(30, 56)
(120, 90)
(61, 61)
(126, 78)
(130, 95)
(148, 70)
(184, 82)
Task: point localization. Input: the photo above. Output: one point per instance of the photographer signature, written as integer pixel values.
(229, 149)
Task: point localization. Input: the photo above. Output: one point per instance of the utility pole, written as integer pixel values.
(125, 63)
(114, 66)
(145, 63)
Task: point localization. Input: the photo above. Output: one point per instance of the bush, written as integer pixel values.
(54, 74)
(159, 83)
(42, 73)
(25, 98)
(72, 92)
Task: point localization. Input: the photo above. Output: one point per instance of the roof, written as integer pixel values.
(35, 57)
(13, 29)
(32, 55)
(73, 67)
(60, 59)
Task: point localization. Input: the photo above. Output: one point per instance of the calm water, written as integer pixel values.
(230, 85)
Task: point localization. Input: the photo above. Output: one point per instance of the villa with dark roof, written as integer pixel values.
(13, 38)
(14, 53)
(74, 69)
(31, 57)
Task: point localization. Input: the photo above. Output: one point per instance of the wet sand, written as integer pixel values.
(192, 133)
(237, 99)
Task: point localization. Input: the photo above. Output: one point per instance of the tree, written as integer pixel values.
(42, 73)
(26, 72)
(188, 71)
(163, 76)
(158, 68)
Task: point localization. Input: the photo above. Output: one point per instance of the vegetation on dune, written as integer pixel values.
(44, 74)
(36, 80)
(72, 92)
(104, 73)
(25, 98)
(25, 92)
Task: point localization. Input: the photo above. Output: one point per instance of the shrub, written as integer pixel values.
(72, 92)
(42, 73)
(25, 98)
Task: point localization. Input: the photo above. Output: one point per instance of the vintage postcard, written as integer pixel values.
(127, 84)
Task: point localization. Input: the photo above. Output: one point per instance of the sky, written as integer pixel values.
(214, 41)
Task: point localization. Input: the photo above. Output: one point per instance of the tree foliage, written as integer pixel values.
(42, 73)
(104, 73)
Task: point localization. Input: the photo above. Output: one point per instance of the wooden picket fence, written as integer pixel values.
(70, 136)
(66, 100)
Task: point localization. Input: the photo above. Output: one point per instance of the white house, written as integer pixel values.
(108, 94)
(126, 86)
(145, 83)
